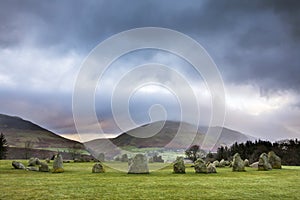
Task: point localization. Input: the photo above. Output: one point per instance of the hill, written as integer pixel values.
(18, 131)
(167, 137)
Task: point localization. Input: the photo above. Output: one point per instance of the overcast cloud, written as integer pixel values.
(255, 45)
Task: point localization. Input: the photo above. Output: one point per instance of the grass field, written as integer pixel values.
(77, 182)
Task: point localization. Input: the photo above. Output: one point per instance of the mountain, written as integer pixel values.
(18, 131)
(167, 137)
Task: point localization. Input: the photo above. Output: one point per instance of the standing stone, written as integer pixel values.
(98, 168)
(178, 166)
(254, 165)
(44, 167)
(17, 165)
(238, 164)
(139, 165)
(34, 162)
(58, 164)
(274, 160)
(200, 166)
(216, 163)
(246, 162)
(211, 168)
(222, 163)
(263, 163)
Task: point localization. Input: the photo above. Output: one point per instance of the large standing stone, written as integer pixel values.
(44, 167)
(263, 163)
(34, 162)
(211, 168)
(58, 164)
(178, 166)
(98, 168)
(200, 166)
(238, 164)
(17, 165)
(274, 160)
(139, 165)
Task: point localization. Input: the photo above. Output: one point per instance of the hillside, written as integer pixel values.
(18, 131)
(165, 137)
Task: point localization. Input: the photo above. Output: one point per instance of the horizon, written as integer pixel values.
(76, 137)
(253, 46)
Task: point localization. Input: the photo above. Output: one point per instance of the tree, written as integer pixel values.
(194, 152)
(3, 146)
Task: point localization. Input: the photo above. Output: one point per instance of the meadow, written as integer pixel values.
(77, 182)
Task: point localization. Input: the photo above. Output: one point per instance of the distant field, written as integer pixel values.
(79, 183)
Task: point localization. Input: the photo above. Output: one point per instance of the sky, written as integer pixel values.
(254, 44)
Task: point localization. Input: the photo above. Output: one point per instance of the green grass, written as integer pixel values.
(77, 182)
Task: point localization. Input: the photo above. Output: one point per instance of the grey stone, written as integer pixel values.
(32, 168)
(58, 164)
(200, 166)
(274, 160)
(211, 168)
(222, 163)
(254, 165)
(246, 162)
(17, 165)
(139, 165)
(238, 164)
(208, 163)
(44, 167)
(227, 163)
(34, 162)
(98, 168)
(263, 163)
(216, 163)
(178, 166)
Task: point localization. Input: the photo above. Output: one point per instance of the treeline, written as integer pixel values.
(288, 151)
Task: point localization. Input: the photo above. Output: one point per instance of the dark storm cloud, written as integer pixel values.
(251, 41)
